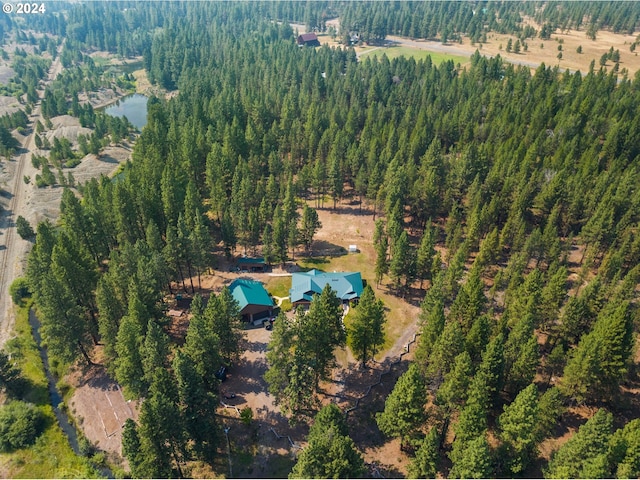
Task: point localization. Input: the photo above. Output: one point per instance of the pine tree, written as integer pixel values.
(131, 447)
(446, 349)
(330, 453)
(309, 227)
(404, 407)
(279, 356)
(201, 344)
(550, 408)
(400, 265)
(469, 302)
(267, 245)
(453, 391)
(197, 406)
(584, 455)
(381, 244)
(473, 417)
(366, 329)
(518, 425)
(161, 430)
(279, 236)
(129, 370)
(492, 368)
(323, 333)
(478, 338)
(432, 321)
(223, 316)
(474, 461)
(425, 463)
(552, 297)
(625, 450)
(426, 251)
(600, 360)
(155, 350)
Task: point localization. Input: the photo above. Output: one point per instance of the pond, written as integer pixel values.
(134, 107)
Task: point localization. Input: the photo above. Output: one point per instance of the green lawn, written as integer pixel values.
(278, 286)
(419, 54)
(51, 456)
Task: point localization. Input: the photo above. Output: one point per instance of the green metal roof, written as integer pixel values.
(251, 260)
(347, 285)
(249, 292)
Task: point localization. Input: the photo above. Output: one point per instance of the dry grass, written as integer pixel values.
(348, 226)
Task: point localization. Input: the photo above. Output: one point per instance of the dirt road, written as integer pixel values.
(13, 249)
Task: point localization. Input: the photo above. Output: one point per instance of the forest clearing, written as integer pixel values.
(567, 41)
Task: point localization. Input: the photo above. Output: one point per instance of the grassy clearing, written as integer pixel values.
(279, 286)
(101, 61)
(51, 456)
(354, 262)
(417, 53)
(23, 348)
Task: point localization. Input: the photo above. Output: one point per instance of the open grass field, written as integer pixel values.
(396, 51)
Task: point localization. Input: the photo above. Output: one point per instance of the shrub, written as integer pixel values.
(24, 228)
(246, 415)
(19, 289)
(20, 424)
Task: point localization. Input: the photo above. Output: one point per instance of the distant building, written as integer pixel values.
(252, 264)
(308, 40)
(254, 301)
(304, 285)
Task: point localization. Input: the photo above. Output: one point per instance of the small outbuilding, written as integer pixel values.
(308, 40)
(253, 300)
(252, 264)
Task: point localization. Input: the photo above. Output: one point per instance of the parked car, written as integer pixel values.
(221, 374)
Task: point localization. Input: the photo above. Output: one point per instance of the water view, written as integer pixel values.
(134, 107)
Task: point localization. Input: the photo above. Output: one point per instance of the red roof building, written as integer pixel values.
(308, 40)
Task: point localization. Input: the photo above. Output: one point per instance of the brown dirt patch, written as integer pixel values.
(256, 450)
(100, 409)
(66, 126)
(8, 105)
(546, 51)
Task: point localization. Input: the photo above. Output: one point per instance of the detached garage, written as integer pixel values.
(254, 301)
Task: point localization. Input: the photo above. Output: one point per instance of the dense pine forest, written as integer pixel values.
(507, 197)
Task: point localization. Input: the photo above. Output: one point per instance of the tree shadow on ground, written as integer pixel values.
(107, 159)
(96, 376)
(361, 421)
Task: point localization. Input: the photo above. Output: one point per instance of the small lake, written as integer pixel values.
(134, 107)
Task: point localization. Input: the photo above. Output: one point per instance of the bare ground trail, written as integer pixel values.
(13, 249)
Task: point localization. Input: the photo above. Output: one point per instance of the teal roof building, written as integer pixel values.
(304, 285)
(254, 301)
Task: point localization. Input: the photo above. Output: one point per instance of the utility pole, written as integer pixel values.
(226, 434)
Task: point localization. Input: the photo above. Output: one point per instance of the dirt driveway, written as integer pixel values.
(264, 449)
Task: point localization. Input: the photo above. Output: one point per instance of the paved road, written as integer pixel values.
(13, 249)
